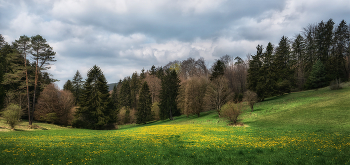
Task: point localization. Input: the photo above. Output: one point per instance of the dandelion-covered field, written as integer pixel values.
(310, 127)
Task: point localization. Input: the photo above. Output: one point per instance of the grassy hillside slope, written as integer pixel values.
(310, 127)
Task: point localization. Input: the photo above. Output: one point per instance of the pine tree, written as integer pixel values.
(337, 68)
(134, 89)
(95, 111)
(317, 78)
(169, 92)
(283, 69)
(23, 46)
(125, 94)
(115, 101)
(43, 53)
(254, 75)
(144, 113)
(298, 51)
(218, 69)
(77, 84)
(267, 81)
(68, 86)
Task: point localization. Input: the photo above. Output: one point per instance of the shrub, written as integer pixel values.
(12, 114)
(231, 111)
(251, 98)
(335, 84)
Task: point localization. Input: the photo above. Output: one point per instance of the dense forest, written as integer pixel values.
(317, 57)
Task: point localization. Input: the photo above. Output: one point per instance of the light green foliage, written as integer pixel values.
(12, 114)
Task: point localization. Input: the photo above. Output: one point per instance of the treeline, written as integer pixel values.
(314, 58)
(21, 79)
(317, 57)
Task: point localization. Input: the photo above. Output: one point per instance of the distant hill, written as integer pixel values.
(111, 86)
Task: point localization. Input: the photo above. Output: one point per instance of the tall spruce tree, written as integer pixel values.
(95, 111)
(144, 113)
(217, 70)
(283, 67)
(254, 75)
(115, 102)
(298, 51)
(170, 83)
(337, 68)
(68, 86)
(267, 80)
(77, 84)
(125, 94)
(134, 89)
(317, 77)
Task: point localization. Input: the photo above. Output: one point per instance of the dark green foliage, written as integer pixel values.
(317, 78)
(218, 69)
(125, 94)
(134, 89)
(95, 110)
(68, 86)
(283, 67)
(77, 86)
(153, 70)
(114, 101)
(337, 69)
(254, 74)
(143, 74)
(168, 94)
(144, 112)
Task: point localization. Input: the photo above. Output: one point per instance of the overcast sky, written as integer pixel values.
(124, 36)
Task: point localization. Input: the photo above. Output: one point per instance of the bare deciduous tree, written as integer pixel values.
(192, 93)
(251, 97)
(154, 84)
(217, 94)
(54, 105)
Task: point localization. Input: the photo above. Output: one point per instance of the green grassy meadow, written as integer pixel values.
(309, 127)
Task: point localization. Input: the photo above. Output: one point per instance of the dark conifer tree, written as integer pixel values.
(95, 111)
(267, 81)
(125, 94)
(283, 69)
(337, 68)
(254, 75)
(68, 86)
(169, 91)
(77, 84)
(317, 77)
(218, 69)
(115, 101)
(298, 51)
(134, 89)
(144, 113)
